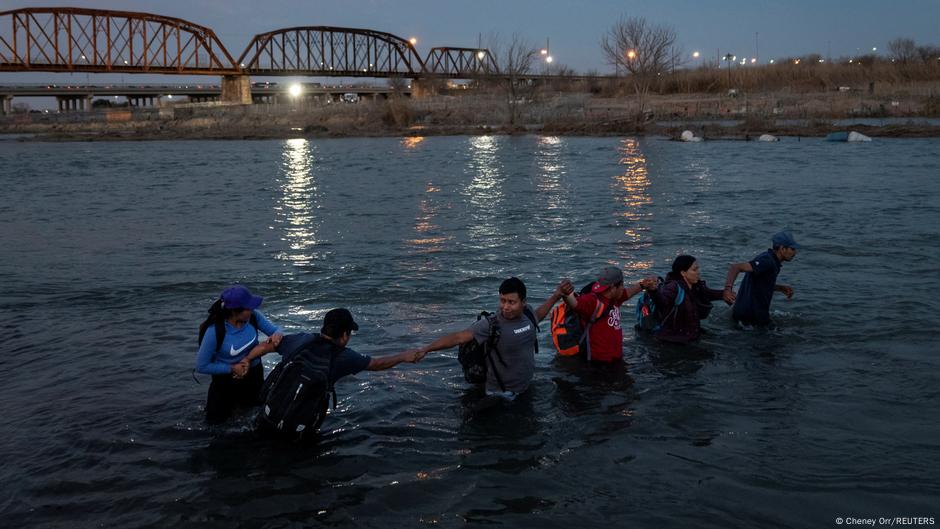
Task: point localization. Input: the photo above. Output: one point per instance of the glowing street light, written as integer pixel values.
(753, 60)
(481, 54)
(631, 55)
(295, 90)
(413, 41)
(549, 59)
(771, 61)
(695, 54)
(543, 51)
(874, 49)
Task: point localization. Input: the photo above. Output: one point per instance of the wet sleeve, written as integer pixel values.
(265, 325)
(480, 330)
(205, 357)
(349, 362)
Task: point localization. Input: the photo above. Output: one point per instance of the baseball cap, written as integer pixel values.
(785, 239)
(239, 297)
(609, 276)
(341, 320)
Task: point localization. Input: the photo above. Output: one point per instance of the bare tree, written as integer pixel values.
(645, 51)
(515, 61)
(903, 50)
(929, 54)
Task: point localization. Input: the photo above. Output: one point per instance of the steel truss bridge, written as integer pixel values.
(104, 41)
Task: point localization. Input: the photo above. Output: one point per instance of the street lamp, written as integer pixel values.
(695, 55)
(480, 55)
(295, 90)
(631, 55)
(413, 41)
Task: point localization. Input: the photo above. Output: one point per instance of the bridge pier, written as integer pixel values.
(74, 103)
(6, 105)
(236, 89)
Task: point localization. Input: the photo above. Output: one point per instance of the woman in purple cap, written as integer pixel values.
(235, 320)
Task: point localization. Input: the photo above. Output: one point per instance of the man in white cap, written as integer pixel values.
(752, 302)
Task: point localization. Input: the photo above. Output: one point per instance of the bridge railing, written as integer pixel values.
(331, 51)
(95, 40)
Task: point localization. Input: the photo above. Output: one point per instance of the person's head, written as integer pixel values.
(512, 298)
(686, 267)
(238, 302)
(784, 246)
(338, 325)
(609, 283)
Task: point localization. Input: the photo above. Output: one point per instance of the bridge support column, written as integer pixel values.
(422, 88)
(6, 105)
(236, 89)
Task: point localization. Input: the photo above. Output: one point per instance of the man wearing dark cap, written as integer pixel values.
(752, 302)
(600, 312)
(338, 328)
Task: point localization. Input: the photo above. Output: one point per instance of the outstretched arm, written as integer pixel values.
(386, 362)
(544, 308)
(447, 341)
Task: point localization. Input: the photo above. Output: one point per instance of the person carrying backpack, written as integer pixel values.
(505, 343)
(225, 338)
(682, 302)
(296, 394)
(600, 312)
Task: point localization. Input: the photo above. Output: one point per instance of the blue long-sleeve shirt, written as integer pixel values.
(214, 360)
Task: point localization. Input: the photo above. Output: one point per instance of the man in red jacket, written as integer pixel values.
(600, 312)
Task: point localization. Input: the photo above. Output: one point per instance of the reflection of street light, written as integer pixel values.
(295, 90)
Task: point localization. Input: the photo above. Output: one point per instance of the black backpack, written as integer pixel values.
(296, 395)
(476, 359)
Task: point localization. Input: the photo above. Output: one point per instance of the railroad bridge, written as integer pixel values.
(79, 40)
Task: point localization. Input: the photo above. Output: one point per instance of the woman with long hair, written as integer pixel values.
(682, 302)
(225, 339)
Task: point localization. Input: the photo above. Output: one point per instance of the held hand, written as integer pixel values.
(565, 288)
(728, 296)
(649, 283)
(275, 340)
(415, 355)
(787, 291)
(240, 369)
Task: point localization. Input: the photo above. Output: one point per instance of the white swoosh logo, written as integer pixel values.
(236, 352)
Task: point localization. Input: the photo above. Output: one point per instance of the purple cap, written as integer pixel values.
(239, 297)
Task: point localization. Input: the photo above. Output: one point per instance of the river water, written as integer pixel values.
(113, 251)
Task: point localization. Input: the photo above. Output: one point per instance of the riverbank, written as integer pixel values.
(578, 114)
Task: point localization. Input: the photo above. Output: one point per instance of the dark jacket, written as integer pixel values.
(681, 324)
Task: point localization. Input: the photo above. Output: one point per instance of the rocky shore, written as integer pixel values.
(710, 117)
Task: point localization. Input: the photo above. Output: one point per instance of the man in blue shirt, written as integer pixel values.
(752, 302)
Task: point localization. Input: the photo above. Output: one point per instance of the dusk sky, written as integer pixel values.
(788, 28)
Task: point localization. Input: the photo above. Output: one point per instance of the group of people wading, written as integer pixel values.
(497, 351)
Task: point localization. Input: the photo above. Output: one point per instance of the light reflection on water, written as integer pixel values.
(300, 201)
(632, 188)
(484, 190)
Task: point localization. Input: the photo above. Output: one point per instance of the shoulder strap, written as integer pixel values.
(531, 315)
(219, 334)
(491, 346)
